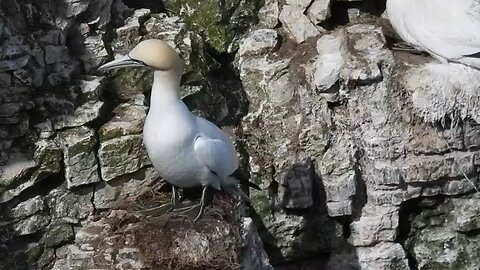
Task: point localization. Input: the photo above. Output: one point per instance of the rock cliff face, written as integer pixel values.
(367, 158)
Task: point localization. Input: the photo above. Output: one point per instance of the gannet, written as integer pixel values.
(186, 150)
(449, 30)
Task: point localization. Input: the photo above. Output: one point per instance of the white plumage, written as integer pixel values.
(186, 150)
(449, 30)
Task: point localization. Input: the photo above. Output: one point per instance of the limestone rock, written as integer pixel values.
(383, 256)
(253, 255)
(282, 225)
(58, 235)
(319, 11)
(368, 49)
(472, 138)
(257, 72)
(198, 63)
(69, 207)
(31, 224)
(332, 52)
(435, 239)
(88, 92)
(121, 143)
(128, 34)
(297, 24)
(18, 167)
(28, 208)
(467, 217)
(114, 193)
(47, 161)
(95, 53)
(297, 186)
(338, 175)
(98, 13)
(128, 119)
(300, 4)
(81, 165)
(259, 42)
(268, 14)
(376, 225)
(74, 8)
(208, 17)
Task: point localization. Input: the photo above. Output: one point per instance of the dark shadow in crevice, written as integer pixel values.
(340, 11)
(154, 6)
(339, 14)
(373, 7)
(18, 251)
(40, 188)
(408, 210)
(223, 98)
(361, 197)
(326, 235)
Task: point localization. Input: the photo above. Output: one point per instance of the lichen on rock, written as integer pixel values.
(219, 21)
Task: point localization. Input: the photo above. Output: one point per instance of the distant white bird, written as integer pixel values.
(186, 150)
(449, 30)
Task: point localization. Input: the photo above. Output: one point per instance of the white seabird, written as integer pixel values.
(186, 150)
(449, 30)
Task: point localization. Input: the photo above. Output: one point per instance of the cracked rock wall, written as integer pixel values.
(367, 158)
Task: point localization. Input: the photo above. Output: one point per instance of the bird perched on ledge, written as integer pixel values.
(449, 30)
(186, 150)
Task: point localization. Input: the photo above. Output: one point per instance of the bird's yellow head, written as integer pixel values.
(153, 53)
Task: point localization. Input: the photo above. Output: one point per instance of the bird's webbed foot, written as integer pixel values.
(200, 205)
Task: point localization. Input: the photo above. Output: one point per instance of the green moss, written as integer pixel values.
(219, 21)
(253, 83)
(114, 153)
(79, 148)
(106, 132)
(132, 81)
(261, 203)
(204, 16)
(200, 62)
(49, 158)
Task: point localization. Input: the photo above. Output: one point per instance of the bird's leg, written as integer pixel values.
(174, 199)
(202, 204)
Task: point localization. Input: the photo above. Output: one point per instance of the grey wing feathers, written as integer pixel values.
(216, 155)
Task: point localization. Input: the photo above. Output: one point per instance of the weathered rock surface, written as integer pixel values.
(253, 256)
(220, 21)
(444, 234)
(297, 24)
(81, 166)
(319, 11)
(123, 134)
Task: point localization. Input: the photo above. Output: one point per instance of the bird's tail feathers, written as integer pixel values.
(243, 179)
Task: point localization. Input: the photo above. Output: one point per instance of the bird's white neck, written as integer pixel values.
(164, 89)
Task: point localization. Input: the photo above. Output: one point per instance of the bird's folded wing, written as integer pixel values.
(447, 28)
(216, 155)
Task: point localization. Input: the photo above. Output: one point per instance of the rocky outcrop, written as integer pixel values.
(367, 157)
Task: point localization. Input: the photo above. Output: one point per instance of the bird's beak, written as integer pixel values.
(125, 61)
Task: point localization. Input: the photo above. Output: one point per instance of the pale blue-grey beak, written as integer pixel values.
(125, 61)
